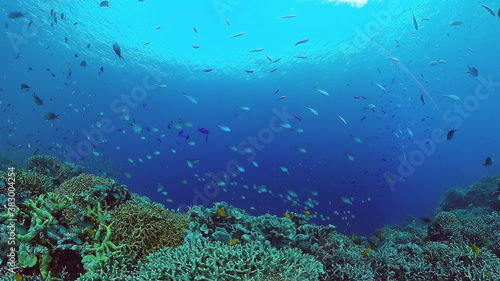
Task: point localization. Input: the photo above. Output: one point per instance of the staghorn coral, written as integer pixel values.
(28, 183)
(87, 189)
(146, 228)
(43, 164)
(217, 261)
(445, 226)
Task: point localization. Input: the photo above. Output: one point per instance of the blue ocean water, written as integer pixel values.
(362, 54)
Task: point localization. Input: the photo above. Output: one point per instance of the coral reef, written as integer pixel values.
(92, 228)
(51, 167)
(147, 228)
(218, 261)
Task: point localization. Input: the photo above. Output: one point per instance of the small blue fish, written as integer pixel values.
(301, 42)
(145, 106)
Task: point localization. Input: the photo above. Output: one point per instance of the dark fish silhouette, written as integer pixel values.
(488, 162)
(450, 134)
(50, 116)
(473, 71)
(415, 24)
(16, 15)
(117, 50)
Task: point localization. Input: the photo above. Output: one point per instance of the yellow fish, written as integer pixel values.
(474, 248)
(18, 277)
(366, 251)
(286, 215)
(221, 212)
(307, 212)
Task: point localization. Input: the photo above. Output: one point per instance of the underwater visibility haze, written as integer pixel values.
(328, 118)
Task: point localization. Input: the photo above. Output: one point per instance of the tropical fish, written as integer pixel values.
(313, 111)
(237, 35)
(488, 9)
(474, 248)
(342, 119)
(370, 106)
(256, 50)
(455, 23)
(190, 98)
(346, 200)
(297, 117)
(282, 97)
(307, 213)
(221, 212)
(488, 162)
(409, 132)
(84, 64)
(422, 98)
(249, 71)
(245, 108)
(450, 134)
(286, 215)
(284, 169)
(301, 42)
(291, 192)
(224, 128)
(105, 4)
(350, 156)
(287, 17)
(453, 97)
(356, 139)
(136, 127)
(158, 27)
(16, 14)
(191, 162)
(38, 100)
(276, 91)
(195, 30)
(205, 132)
(395, 59)
(228, 23)
(415, 24)
(300, 149)
(301, 57)
(379, 86)
(160, 85)
(117, 50)
(324, 93)
(50, 116)
(269, 58)
(25, 87)
(473, 71)
(366, 251)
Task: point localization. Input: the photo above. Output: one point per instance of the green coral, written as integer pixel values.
(29, 183)
(103, 249)
(146, 228)
(87, 189)
(218, 261)
(26, 260)
(53, 168)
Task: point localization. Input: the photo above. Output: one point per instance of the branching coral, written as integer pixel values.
(146, 228)
(28, 183)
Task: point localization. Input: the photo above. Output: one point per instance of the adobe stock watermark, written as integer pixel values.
(122, 106)
(32, 24)
(249, 147)
(223, 6)
(381, 19)
(456, 115)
